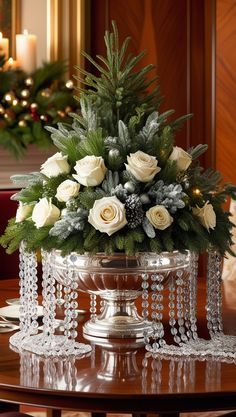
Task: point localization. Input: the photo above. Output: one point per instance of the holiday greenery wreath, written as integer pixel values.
(27, 103)
(118, 182)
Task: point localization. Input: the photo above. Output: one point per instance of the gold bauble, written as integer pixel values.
(68, 109)
(25, 93)
(8, 97)
(46, 92)
(24, 103)
(43, 117)
(15, 102)
(33, 106)
(29, 81)
(69, 84)
(22, 123)
(61, 113)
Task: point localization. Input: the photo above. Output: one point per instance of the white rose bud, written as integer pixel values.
(66, 190)
(55, 165)
(206, 215)
(159, 217)
(182, 158)
(90, 170)
(45, 213)
(142, 166)
(23, 212)
(107, 215)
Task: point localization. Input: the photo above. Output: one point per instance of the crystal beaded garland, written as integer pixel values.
(168, 284)
(180, 279)
(46, 343)
(28, 290)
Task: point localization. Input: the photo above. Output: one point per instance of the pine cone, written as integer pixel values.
(134, 211)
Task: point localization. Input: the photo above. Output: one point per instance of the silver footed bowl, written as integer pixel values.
(118, 280)
(101, 273)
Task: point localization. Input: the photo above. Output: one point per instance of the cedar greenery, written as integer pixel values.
(118, 116)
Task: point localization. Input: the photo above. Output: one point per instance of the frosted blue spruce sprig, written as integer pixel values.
(170, 196)
(71, 222)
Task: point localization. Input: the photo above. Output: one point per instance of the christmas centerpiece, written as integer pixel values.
(120, 195)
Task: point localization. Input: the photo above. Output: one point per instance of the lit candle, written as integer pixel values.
(4, 46)
(26, 51)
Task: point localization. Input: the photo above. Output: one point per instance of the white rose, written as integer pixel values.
(206, 215)
(107, 215)
(182, 158)
(23, 212)
(142, 166)
(55, 165)
(159, 217)
(66, 190)
(90, 170)
(45, 213)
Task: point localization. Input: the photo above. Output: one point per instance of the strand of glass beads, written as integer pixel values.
(71, 304)
(49, 299)
(59, 294)
(157, 308)
(192, 298)
(93, 307)
(214, 294)
(145, 305)
(28, 311)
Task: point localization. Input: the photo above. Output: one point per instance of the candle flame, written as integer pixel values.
(10, 61)
(1, 36)
(25, 32)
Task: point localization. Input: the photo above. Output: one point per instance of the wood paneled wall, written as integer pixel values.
(226, 89)
(179, 38)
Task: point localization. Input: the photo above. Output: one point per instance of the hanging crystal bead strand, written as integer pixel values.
(44, 343)
(157, 308)
(180, 281)
(59, 294)
(93, 307)
(71, 304)
(171, 305)
(214, 294)
(49, 299)
(28, 297)
(70, 346)
(193, 275)
(145, 305)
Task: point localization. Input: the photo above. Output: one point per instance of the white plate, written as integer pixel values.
(7, 327)
(13, 301)
(12, 312)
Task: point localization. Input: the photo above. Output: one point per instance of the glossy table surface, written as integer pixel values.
(117, 376)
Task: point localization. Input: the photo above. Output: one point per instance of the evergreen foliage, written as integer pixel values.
(27, 103)
(119, 118)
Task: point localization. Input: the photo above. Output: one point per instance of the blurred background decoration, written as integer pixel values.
(29, 102)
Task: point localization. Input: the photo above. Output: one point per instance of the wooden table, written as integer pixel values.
(117, 377)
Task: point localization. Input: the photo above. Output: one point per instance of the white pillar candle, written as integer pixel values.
(26, 51)
(4, 46)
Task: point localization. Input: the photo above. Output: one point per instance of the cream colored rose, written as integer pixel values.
(90, 170)
(206, 215)
(107, 215)
(45, 213)
(23, 212)
(66, 190)
(142, 166)
(55, 165)
(159, 217)
(182, 158)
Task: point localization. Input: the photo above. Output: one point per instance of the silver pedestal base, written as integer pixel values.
(118, 319)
